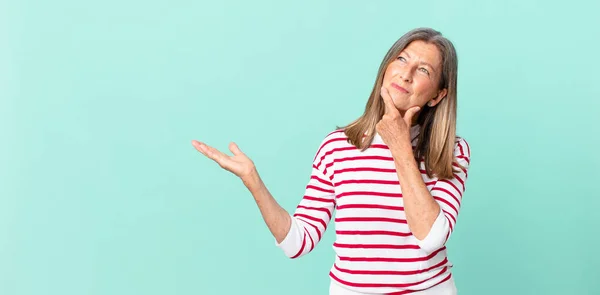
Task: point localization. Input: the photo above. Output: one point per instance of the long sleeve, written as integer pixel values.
(448, 194)
(315, 210)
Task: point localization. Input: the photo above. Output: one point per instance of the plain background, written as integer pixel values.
(102, 192)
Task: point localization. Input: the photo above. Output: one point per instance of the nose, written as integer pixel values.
(406, 75)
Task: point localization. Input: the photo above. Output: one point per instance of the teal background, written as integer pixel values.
(102, 192)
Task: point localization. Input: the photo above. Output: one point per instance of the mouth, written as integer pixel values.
(399, 88)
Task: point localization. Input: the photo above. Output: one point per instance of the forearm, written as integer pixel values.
(419, 206)
(276, 217)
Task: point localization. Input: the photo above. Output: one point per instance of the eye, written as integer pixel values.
(424, 70)
(401, 58)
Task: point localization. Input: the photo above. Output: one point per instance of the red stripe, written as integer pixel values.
(366, 193)
(320, 189)
(370, 169)
(460, 180)
(390, 272)
(324, 173)
(437, 265)
(464, 158)
(461, 169)
(359, 158)
(462, 152)
(314, 226)
(312, 243)
(364, 169)
(370, 219)
(373, 285)
(325, 182)
(374, 181)
(446, 202)
(316, 208)
(301, 248)
(368, 181)
(328, 142)
(458, 166)
(468, 147)
(319, 220)
(356, 158)
(350, 148)
(451, 226)
(441, 189)
(335, 150)
(372, 232)
(451, 216)
(319, 199)
(452, 184)
(375, 246)
(390, 259)
(370, 206)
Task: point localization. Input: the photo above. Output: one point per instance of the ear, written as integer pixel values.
(441, 95)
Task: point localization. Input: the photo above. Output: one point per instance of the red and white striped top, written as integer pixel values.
(375, 250)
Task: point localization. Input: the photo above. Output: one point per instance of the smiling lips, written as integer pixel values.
(399, 88)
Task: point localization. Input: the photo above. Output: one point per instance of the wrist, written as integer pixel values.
(252, 179)
(402, 150)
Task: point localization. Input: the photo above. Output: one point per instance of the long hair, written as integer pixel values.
(437, 134)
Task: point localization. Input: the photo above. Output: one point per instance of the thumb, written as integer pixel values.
(235, 149)
(410, 113)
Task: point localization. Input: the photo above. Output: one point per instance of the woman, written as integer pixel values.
(395, 177)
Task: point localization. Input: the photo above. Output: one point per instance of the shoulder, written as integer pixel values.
(331, 140)
(461, 147)
(462, 150)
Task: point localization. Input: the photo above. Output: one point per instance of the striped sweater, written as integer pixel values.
(375, 251)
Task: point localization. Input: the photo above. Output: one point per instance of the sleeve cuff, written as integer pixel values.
(293, 240)
(436, 237)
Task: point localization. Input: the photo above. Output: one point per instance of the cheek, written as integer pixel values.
(424, 88)
(389, 72)
(386, 75)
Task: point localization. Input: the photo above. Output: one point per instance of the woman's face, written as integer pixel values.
(412, 79)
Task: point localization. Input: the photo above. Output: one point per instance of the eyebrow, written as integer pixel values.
(425, 63)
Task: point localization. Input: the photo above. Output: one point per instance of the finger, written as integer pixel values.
(389, 102)
(217, 155)
(409, 114)
(199, 146)
(210, 152)
(233, 147)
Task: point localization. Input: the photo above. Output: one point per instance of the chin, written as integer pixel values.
(399, 105)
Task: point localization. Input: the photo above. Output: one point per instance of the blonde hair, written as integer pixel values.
(437, 134)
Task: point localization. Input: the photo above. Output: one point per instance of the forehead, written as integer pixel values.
(424, 52)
